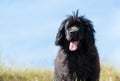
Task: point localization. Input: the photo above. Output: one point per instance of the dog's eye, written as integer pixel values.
(68, 29)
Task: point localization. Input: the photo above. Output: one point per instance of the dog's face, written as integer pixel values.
(74, 34)
(74, 31)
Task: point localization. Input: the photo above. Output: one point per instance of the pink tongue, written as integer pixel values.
(73, 46)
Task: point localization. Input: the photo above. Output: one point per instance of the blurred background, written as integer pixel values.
(28, 30)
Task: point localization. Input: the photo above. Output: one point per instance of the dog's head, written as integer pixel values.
(74, 31)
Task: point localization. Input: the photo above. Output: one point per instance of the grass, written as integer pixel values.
(26, 75)
(107, 74)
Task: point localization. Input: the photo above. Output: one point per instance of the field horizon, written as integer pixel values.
(45, 74)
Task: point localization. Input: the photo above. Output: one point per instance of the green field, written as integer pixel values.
(8, 74)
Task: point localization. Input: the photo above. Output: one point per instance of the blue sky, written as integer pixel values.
(28, 29)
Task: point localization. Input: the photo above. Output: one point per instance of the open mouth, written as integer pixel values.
(73, 46)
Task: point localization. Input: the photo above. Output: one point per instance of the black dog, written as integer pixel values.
(77, 59)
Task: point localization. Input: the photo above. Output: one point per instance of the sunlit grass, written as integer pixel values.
(109, 74)
(8, 74)
(26, 75)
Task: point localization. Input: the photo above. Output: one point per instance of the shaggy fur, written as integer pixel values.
(76, 61)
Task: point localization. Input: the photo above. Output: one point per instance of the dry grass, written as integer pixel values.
(107, 74)
(26, 75)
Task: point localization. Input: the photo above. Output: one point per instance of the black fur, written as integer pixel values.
(83, 63)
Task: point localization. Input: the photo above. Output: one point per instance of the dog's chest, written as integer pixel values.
(77, 62)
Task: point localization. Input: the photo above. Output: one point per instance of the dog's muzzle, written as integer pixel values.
(72, 34)
(72, 37)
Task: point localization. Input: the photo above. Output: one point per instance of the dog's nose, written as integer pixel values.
(73, 32)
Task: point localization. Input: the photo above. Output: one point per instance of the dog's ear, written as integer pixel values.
(60, 38)
(89, 31)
